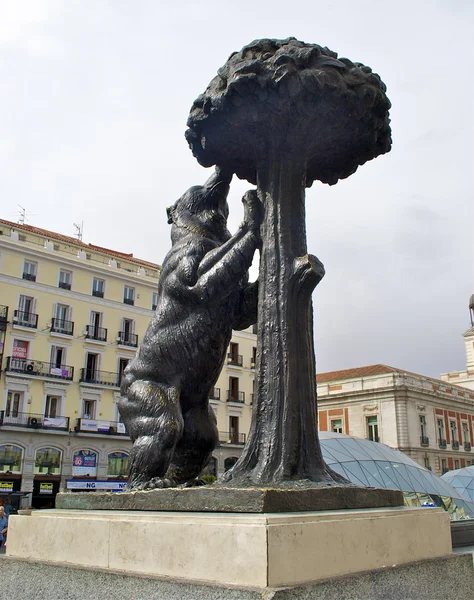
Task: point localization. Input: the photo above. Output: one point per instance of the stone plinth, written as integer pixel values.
(244, 550)
(240, 500)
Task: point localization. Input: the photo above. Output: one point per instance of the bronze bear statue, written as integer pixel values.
(203, 293)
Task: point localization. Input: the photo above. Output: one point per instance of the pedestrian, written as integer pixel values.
(3, 528)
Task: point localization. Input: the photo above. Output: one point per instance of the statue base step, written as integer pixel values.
(240, 500)
(259, 551)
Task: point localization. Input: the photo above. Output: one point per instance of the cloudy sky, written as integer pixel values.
(93, 106)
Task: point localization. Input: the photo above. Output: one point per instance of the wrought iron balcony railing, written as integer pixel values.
(29, 276)
(38, 368)
(455, 445)
(62, 326)
(25, 319)
(3, 314)
(98, 293)
(64, 285)
(424, 441)
(14, 418)
(235, 359)
(467, 446)
(127, 339)
(98, 426)
(227, 437)
(107, 378)
(130, 301)
(235, 396)
(442, 443)
(96, 333)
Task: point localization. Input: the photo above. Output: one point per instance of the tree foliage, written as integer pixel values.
(291, 97)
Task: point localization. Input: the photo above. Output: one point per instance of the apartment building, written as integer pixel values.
(429, 420)
(71, 317)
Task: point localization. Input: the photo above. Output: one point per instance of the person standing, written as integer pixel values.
(3, 527)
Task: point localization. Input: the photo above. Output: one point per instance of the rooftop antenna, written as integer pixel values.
(22, 215)
(79, 230)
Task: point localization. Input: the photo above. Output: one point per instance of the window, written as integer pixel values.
(65, 278)
(456, 464)
(84, 463)
(427, 463)
(51, 409)
(88, 410)
(372, 429)
(14, 404)
(465, 433)
(454, 432)
(48, 461)
(128, 295)
(29, 270)
(117, 464)
(254, 357)
(61, 322)
(95, 331)
(440, 425)
(423, 426)
(233, 357)
(336, 425)
(92, 362)
(127, 336)
(10, 458)
(154, 300)
(98, 286)
(444, 466)
(234, 430)
(123, 362)
(233, 393)
(25, 315)
(58, 356)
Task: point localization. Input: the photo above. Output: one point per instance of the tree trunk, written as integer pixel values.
(283, 443)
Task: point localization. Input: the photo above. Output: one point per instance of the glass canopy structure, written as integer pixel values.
(462, 481)
(376, 465)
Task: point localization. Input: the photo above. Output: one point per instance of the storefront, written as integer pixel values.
(47, 477)
(10, 495)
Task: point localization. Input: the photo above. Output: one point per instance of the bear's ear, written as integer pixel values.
(169, 212)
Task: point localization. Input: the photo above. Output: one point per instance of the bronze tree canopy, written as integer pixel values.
(282, 113)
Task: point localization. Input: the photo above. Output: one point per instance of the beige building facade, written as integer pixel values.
(71, 317)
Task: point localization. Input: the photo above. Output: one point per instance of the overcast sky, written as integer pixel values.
(93, 106)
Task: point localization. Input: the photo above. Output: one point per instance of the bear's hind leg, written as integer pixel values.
(152, 415)
(195, 447)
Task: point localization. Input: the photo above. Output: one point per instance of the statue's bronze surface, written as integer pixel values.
(280, 113)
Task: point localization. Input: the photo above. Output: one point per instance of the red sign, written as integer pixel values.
(20, 349)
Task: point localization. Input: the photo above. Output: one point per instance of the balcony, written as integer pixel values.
(62, 326)
(467, 446)
(215, 394)
(100, 427)
(96, 333)
(64, 286)
(233, 396)
(424, 441)
(455, 445)
(98, 293)
(33, 421)
(442, 444)
(130, 301)
(25, 319)
(107, 378)
(127, 339)
(3, 316)
(235, 359)
(29, 276)
(227, 437)
(154, 306)
(38, 368)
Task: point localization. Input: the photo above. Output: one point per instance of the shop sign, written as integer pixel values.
(103, 426)
(84, 462)
(6, 486)
(113, 486)
(88, 425)
(20, 349)
(121, 428)
(46, 488)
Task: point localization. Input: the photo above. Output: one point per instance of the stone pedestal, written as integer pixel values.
(259, 551)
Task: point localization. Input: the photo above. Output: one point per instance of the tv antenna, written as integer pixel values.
(79, 230)
(22, 215)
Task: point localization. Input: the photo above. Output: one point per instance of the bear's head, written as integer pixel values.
(203, 210)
